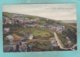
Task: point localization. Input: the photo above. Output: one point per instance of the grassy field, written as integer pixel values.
(37, 32)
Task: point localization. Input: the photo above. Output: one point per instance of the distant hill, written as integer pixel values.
(11, 15)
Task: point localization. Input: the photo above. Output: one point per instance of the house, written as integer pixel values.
(10, 38)
(6, 30)
(60, 28)
(7, 20)
(53, 42)
(30, 37)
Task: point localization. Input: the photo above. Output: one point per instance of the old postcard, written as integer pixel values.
(39, 27)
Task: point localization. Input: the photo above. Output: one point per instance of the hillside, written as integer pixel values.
(41, 29)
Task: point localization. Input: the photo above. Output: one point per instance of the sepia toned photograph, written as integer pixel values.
(39, 27)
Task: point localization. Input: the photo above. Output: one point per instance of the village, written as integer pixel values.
(24, 34)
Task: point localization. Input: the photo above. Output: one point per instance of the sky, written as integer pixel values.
(52, 11)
